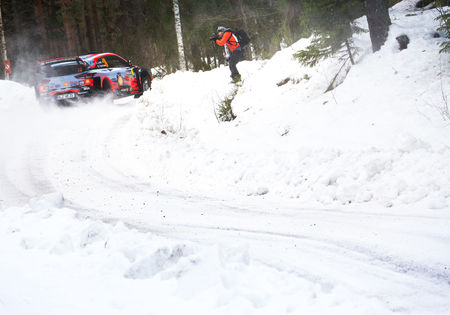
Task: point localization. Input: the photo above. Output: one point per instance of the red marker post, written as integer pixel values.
(4, 55)
(7, 66)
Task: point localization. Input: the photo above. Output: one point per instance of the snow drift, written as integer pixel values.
(382, 137)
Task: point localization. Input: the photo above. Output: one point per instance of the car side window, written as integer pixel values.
(116, 62)
(101, 63)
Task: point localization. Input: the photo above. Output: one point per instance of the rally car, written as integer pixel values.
(72, 78)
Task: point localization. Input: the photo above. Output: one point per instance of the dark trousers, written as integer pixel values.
(235, 57)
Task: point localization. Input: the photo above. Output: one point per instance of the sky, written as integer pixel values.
(307, 203)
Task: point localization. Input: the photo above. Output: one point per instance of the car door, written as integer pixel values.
(102, 72)
(118, 68)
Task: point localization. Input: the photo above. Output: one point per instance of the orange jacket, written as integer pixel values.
(229, 39)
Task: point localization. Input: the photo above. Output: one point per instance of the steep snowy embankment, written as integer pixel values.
(379, 138)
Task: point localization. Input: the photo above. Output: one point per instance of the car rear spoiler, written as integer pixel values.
(58, 60)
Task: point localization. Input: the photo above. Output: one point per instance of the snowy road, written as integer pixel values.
(306, 203)
(389, 261)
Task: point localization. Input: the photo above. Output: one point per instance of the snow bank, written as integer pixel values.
(84, 266)
(379, 138)
(12, 93)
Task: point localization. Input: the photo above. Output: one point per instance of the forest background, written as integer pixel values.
(144, 30)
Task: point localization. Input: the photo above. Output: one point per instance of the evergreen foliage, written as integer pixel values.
(444, 19)
(224, 110)
(332, 25)
(142, 30)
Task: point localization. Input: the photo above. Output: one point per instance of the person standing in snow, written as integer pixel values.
(233, 51)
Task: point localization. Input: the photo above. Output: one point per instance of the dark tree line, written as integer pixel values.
(141, 30)
(144, 30)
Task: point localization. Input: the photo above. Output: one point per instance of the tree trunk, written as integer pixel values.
(42, 29)
(3, 43)
(87, 20)
(53, 39)
(181, 58)
(107, 24)
(349, 52)
(18, 23)
(80, 44)
(138, 16)
(98, 37)
(378, 19)
(196, 57)
(68, 25)
(244, 18)
(125, 16)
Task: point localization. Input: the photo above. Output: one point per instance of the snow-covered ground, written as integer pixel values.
(306, 203)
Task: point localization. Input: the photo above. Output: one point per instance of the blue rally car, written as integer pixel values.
(72, 78)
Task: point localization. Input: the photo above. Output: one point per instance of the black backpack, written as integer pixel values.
(242, 37)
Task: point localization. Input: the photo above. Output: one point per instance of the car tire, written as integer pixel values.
(106, 88)
(146, 86)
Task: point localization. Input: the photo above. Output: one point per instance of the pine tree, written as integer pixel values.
(96, 25)
(332, 25)
(66, 6)
(377, 12)
(42, 28)
(88, 24)
(444, 19)
(3, 42)
(181, 58)
(143, 30)
(291, 12)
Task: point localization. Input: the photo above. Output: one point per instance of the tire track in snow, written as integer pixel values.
(10, 194)
(132, 185)
(80, 168)
(396, 264)
(325, 261)
(23, 174)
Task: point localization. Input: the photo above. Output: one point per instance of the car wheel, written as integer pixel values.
(146, 84)
(106, 89)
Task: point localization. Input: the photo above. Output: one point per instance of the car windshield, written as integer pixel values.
(61, 68)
